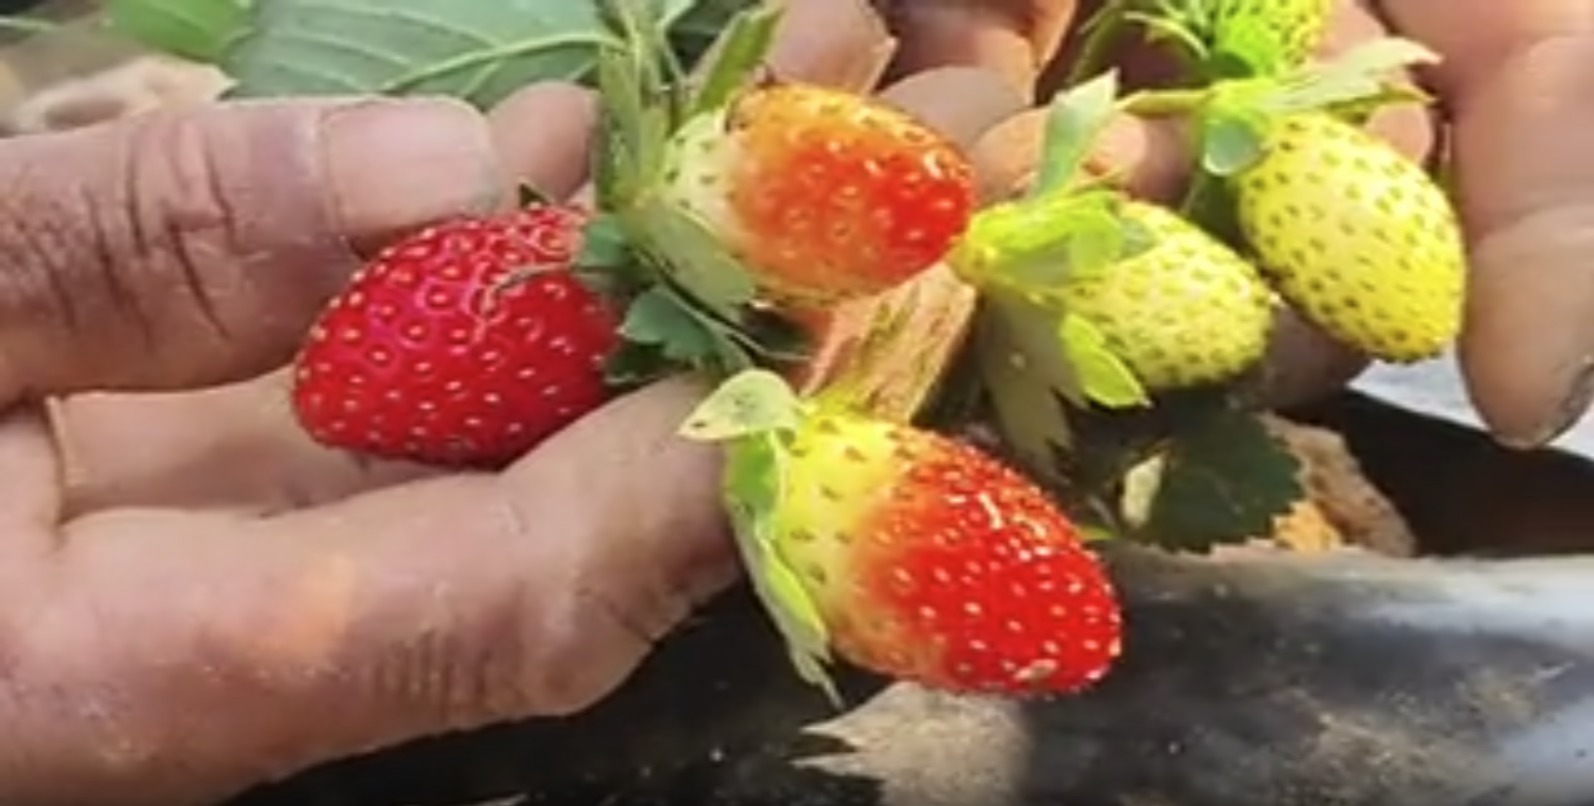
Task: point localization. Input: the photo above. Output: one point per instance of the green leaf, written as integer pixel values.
(1036, 244)
(1383, 56)
(751, 402)
(1231, 140)
(603, 243)
(685, 250)
(633, 364)
(1074, 122)
(1246, 46)
(753, 486)
(700, 26)
(199, 30)
(736, 56)
(657, 318)
(1028, 382)
(633, 128)
(1103, 377)
(470, 49)
(1100, 241)
(1222, 478)
(1367, 75)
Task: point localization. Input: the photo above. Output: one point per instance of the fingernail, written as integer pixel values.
(1571, 409)
(398, 164)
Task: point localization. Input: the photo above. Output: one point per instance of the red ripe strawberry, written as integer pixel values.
(909, 553)
(823, 195)
(465, 344)
(930, 561)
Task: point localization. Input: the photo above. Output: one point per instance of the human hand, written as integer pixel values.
(192, 596)
(195, 598)
(1512, 89)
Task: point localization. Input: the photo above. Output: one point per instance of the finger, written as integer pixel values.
(190, 247)
(1015, 38)
(543, 135)
(235, 448)
(836, 43)
(238, 447)
(443, 604)
(962, 103)
(1515, 80)
(1149, 158)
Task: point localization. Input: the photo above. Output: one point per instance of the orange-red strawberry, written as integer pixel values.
(908, 553)
(465, 344)
(823, 195)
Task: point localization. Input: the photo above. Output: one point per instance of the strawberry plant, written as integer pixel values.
(741, 220)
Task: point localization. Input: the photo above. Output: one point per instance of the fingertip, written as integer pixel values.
(1527, 348)
(962, 103)
(1526, 182)
(543, 134)
(946, 34)
(836, 43)
(1005, 157)
(1303, 363)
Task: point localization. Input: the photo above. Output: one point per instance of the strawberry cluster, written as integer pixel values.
(732, 209)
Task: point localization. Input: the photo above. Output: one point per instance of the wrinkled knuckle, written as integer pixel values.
(176, 212)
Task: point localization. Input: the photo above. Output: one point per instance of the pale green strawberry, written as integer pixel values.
(1356, 236)
(1186, 312)
(1270, 36)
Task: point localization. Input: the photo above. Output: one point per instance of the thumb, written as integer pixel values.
(1515, 79)
(186, 248)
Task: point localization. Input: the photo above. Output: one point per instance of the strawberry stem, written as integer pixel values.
(1103, 32)
(1165, 103)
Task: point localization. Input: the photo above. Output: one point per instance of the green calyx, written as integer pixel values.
(1234, 117)
(689, 302)
(1214, 40)
(755, 414)
(1066, 224)
(1022, 253)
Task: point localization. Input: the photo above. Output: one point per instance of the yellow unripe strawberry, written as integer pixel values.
(1188, 311)
(1356, 236)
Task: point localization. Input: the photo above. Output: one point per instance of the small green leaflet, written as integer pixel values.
(1365, 73)
(1035, 245)
(1221, 478)
(1035, 363)
(1232, 139)
(735, 57)
(1027, 387)
(199, 30)
(753, 401)
(1103, 377)
(753, 484)
(1245, 46)
(752, 488)
(657, 317)
(603, 244)
(1075, 120)
(686, 250)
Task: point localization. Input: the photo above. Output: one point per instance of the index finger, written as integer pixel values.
(184, 248)
(1515, 79)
